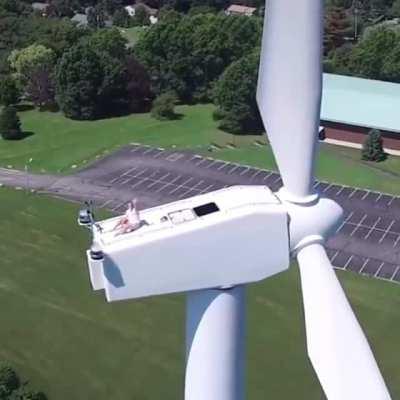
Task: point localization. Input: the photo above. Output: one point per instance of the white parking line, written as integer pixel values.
(168, 184)
(277, 179)
(316, 184)
(364, 265)
(377, 199)
(207, 188)
(391, 201)
(149, 150)
(201, 162)
(397, 241)
(139, 182)
(394, 273)
(334, 256)
(365, 195)
(358, 225)
(348, 261)
(106, 203)
(255, 174)
(327, 188)
(345, 221)
(192, 188)
(339, 191)
(135, 149)
(386, 231)
(352, 193)
(155, 181)
(245, 171)
(160, 151)
(267, 176)
(180, 186)
(372, 228)
(235, 167)
(118, 206)
(214, 162)
(222, 166)
(379, 269)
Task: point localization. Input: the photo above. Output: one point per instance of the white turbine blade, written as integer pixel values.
(289, 87)
(337, 346)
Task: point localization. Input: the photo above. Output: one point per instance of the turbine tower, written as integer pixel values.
(211, 245)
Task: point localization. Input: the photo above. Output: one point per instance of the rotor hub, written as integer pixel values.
(312, 220)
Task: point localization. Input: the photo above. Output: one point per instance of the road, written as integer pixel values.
(367, 242)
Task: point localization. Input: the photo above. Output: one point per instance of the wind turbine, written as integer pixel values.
(211, 245)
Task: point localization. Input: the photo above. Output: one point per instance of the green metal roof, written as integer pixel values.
(361, 102)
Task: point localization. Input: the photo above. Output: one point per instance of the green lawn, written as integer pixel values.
(69, 342)
(57, 144)
(132, 34)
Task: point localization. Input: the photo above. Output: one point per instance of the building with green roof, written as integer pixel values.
(353, 106)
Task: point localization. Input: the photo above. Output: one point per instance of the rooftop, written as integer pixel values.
(40, 6)
(239, 9)
(361, 102)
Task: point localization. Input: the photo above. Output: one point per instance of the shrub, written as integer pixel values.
(9, 93)
(372, 149)
(10, 125)
(164, 106)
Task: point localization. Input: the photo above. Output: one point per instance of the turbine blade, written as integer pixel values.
(289, 87)
(337, 346)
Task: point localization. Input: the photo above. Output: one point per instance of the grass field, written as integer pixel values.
(69, 342)
(57, 144)
(132, 34)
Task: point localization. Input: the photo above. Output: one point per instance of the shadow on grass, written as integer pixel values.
(23, 135)
(24, 107)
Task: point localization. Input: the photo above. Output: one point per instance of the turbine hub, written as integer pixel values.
(312, 220)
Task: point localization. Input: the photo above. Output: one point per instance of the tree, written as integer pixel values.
(96, 17)
(164, 106)
(372, 149)
(395, 10)
(11, 387)
(141, 17)
(234, 95)
(121, 18)
(78, 78)
(25, 61)
(10, 125)
(9, 93)
(108, 41)
(40, 89)
(138, 86)
(337, 27)
(97, 78)
(368, 58)
(9, 380)
(61, 8)
(187, 54)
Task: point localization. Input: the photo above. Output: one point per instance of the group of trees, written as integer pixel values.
(95, 77)
(12, 388)
(98, 77)
(188, 53)
(375, 56)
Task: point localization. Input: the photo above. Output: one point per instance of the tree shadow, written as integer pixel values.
(24, 107)
(23, 135)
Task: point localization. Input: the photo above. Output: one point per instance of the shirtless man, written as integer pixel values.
(130, 221)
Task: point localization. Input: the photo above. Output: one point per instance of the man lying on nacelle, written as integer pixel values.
(130, 221)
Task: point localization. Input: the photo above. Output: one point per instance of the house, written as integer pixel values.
(40, 8)
(237, 9)
(80, 19)
(131, 10)
(351, 107)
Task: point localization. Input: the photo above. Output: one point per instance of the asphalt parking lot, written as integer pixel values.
(368, 241)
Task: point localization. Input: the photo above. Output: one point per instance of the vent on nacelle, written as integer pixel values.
(205, 209)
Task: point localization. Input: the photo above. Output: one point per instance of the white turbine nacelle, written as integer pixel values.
(224, 238)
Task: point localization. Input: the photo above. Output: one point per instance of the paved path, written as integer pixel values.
(368, 241)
